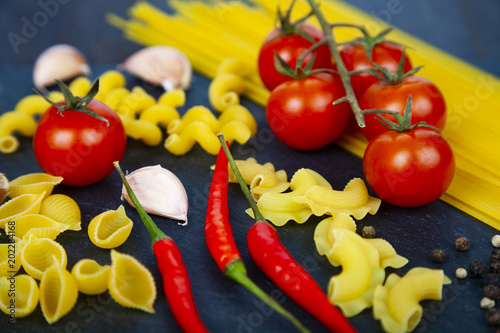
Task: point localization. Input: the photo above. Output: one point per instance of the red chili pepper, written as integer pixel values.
(275, 261)
(220, 240)
(174, 273)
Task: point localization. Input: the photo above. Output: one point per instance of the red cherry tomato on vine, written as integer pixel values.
(386, 54)
(290, 47)
(77, 146)
(428, 103)
(301, 114)
(409, 169)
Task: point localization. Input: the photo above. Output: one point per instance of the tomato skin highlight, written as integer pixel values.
(77, 146)
(290, 48)
(409, 169)
(428, 103)
(301, 114)
(386, 54)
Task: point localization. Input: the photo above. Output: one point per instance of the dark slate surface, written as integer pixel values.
(459, 27)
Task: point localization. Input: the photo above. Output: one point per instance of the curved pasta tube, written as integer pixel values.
(173, 98)
(198, 131)
(149, 133)
(396, 304)
(353, 200)
(224, 91)
(233, 66)
(195, 113)
(55, 96)
(109, 81)
(160, 114)
(279, 208)
(80, 86)
(388, 255)
(352, 290)
(324, 237)
(114, 98)
(14, 121)
(261, 178)
(241, 113)
(32, 105)
(135, 102)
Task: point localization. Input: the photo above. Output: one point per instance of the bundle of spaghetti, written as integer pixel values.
(210, 32)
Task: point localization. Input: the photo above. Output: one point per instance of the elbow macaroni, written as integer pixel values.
(224, 91)
(14, 121)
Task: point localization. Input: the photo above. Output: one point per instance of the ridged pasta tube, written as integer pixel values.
(396, 304)
(234, 66)
(32, 105)
(224, 91)
(109, 81)
(195, 113)
(173, 98)
(14, 121)
(160, 114)
(80, 86)
(149, 133)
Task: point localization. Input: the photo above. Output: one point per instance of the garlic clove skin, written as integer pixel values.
(4, 187)
(60, 61)
(160, 65)
(159, 191)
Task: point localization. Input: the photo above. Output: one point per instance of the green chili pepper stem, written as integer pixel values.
(253, 205)
(154, 232)
(236, 271)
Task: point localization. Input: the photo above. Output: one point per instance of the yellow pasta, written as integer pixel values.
(200, 132)
(109, 81)
(352, 290)
(324, 237)
(24, 300)
(32, 105)
(114, 98)
(63, 209)
(55, 96)
(388, 255)
(39, 254)
(160, 114)
(138, 129)
(10, 259)
(224, 91)
(91, 278)
(262, 178)
(396, 304)
(58, 292)
(11, 122)
(33, 183)
(37, 225)
(194, 113)
(173, 98)
(18, 206)
(241, 113)
(110, 229)
(234, 66)
(279, 208)
(135, 102)
(131, 283)
(353, 200)
(80, 86)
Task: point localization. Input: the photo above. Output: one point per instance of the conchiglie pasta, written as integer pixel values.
(37, 225)
(10, 258)
(110, 229)
(58, 292)
(33, 183)
(131, 283)
(91, 278)
(18, 206)
(25, 298)
(396, 304)
(39, 254)
(63, 209)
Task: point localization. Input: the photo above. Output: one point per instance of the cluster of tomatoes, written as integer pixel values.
(410, 166)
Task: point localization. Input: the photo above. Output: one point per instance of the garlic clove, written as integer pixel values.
(60, 61)
(160, 65)
(4, 187)
(159, 191)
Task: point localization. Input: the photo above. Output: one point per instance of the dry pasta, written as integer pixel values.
(39, 254)
(9, 265)
(223, 26)
(91, 278)
(224, 91)
(32, 105)
(37, 225)
(144, 130)
(25, 297)
(11, 122)
(19, 206)
(160, 114)
(33, 183)
(396, 303)
(173, 98)
(63, 209)
(110, 229)
(80, 86)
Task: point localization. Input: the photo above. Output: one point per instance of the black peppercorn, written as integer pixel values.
(438, 256)
(478, 269)
(368, 232)
(493, 317)
(495, 255)
(492, 278)
(495, 267)
(462, 244)
(492, 292)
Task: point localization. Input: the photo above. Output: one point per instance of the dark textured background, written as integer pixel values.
(469, 30)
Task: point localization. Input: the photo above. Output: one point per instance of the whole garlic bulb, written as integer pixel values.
(160, 65)
(60, 61)
(159, 191)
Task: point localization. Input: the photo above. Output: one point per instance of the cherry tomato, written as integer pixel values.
(301, 114)
(428, 103)
(77, 146)
(290, 47)
(386, 54)
(411, 168)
